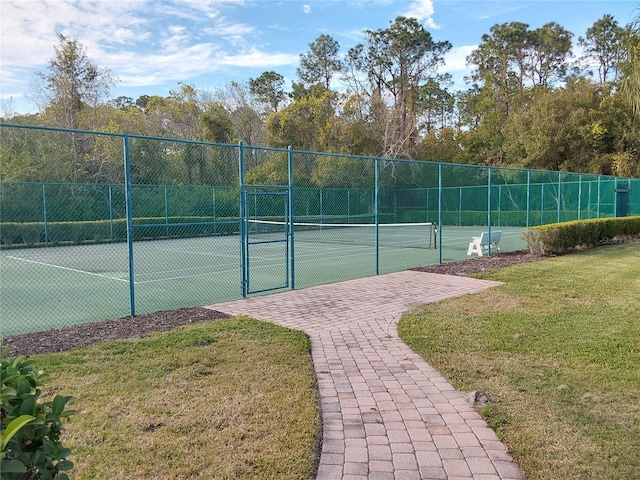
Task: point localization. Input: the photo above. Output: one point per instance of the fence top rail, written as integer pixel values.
(114, 134)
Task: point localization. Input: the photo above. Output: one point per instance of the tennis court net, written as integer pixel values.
(402, 235)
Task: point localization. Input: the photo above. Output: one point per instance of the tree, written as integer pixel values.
(395, 62)
(549, 50)
(243, 110)
(602, 46)
(72, 83)
(437, 103)
(305, 124)
(321, 62)
(267, 89)
(217, 124)
(123, 103)
(512, 58)
(440, 146)
(555, 131)
(180, 112)
(500, 61)
(630, 66)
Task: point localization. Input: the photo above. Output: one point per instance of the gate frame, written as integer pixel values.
(256, 191)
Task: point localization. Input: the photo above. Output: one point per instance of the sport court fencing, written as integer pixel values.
(150, 224)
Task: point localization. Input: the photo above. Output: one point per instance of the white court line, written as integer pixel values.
(199, 252)
(189, 269)
(238, 270)
(164, 279)
(67, 268)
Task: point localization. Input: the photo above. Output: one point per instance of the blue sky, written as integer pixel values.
(151, 45)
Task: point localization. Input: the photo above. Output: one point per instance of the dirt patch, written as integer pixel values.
(62, 339)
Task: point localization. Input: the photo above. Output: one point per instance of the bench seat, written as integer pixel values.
(478, 244)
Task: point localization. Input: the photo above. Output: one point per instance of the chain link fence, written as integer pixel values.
(96, 225)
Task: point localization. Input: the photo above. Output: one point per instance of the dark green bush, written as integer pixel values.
(13, 234)
(31, 428)
(562, 237)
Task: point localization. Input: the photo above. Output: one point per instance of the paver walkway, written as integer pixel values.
(386, 414)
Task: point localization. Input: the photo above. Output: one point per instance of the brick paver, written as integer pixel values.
(385, 412)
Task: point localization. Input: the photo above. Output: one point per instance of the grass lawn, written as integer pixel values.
(229, 399)
(559, 346)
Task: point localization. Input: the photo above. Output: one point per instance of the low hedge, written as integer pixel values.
(566, 236)
(32, 234)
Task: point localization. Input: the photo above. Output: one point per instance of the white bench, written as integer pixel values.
(477, 244)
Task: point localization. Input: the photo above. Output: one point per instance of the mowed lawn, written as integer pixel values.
(228, 399)
(558, 345)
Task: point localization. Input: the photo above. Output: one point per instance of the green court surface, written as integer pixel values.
(52, 287)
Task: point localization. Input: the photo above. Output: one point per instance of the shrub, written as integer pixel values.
(561, 237)
(31, 429)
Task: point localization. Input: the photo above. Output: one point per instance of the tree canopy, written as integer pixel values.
(529, 103)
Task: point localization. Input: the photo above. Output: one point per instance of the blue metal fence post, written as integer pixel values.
(427, 202)
(215, 217)
(460, 208)
(440, 212)
(499, 205)
(489, 208)
(395, 206)
(166, 211)
(129, 211)
(44, 214)
(599, 195)
(292, 218)
(580, 197)
(377, 219)
(542, 222)
(243, 216)
(559, 196)
(528, 198)
(111, 212)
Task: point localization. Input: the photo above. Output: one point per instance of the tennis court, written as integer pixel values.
(218, 222)
(197, 271)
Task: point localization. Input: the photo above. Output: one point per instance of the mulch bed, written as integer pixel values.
(126, 327)
(62, 339)
(473, 265)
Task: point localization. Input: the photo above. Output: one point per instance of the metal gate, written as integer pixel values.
(265, 239)
(622, 200)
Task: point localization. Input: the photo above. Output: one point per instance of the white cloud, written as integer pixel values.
(306, 8)
(257, 59)
(137, 39)
(456, 65)
(456, 58)
(191, 62)
(422, 10)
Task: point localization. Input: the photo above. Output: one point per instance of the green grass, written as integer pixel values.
(230, 399)
(559, 345)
